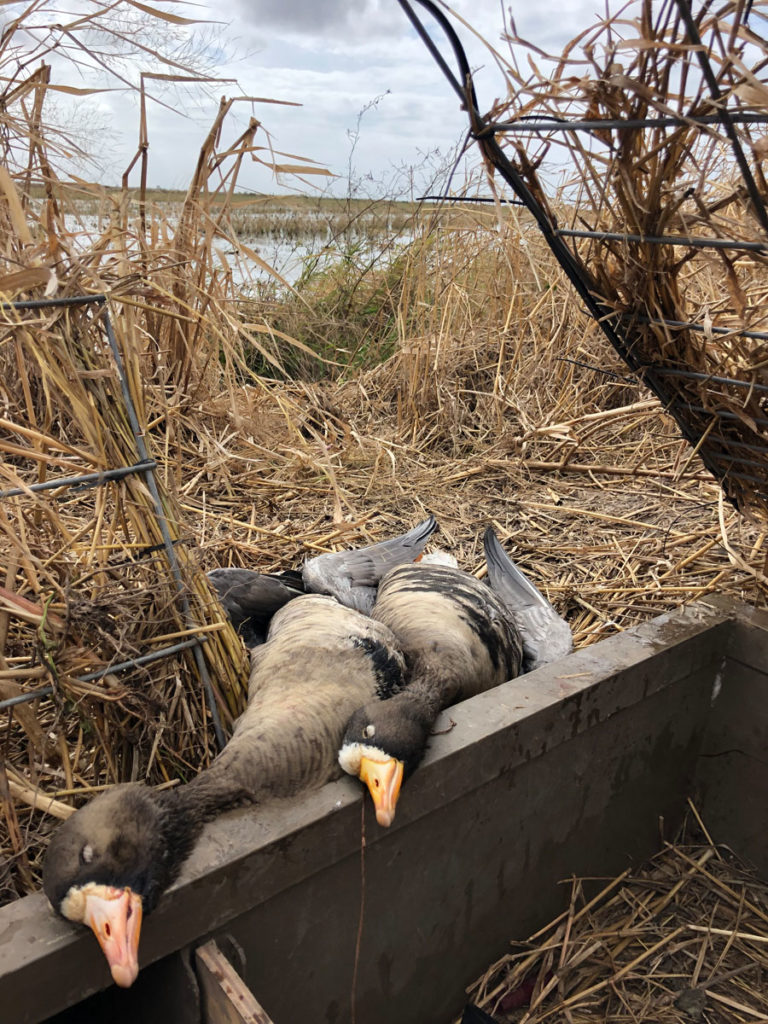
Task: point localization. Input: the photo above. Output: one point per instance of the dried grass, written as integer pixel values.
(500, 404)
(683, 939)
(681, 180)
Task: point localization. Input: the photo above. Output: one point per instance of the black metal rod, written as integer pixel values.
(696, 243)
(472, 199)
(459, 86)
(739, 460)
(22, 698)
(89, 677)
(596, 124)
(710, 377)
(757, 335)
(142, 659)
(756, 448)
(597, 369)
(730, 473)
(162, 521)
(75, 300)
(701, 52)
(78, 482)
(723, 414)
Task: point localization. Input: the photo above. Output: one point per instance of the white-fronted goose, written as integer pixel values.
(109, 863)
(459, 637)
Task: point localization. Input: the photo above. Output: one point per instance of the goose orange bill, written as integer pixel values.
(115, 915)
(383, 779)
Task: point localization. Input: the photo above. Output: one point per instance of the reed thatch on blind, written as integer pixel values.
(679, 163)
(88, 580)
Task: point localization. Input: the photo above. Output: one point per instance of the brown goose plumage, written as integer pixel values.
(458, 639)
(110, 862)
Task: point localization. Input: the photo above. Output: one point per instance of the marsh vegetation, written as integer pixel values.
(420, 360)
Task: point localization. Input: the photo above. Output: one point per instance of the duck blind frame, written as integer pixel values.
(660, 122)
(121, 409)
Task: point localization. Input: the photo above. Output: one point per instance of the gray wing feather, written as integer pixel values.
(250, 599)
(546, 636)
(352, 576)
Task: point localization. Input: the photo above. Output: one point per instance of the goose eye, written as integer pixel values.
(86, 854)
(369, 731)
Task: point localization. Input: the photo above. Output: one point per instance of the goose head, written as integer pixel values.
(108, 864)
(383, 744)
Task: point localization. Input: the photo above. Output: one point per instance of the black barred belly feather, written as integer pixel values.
(450, 626)
(320, 662)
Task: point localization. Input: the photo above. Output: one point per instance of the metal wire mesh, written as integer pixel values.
(667, 240)
(145, 466)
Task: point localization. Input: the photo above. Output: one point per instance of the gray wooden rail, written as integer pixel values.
(577, 768)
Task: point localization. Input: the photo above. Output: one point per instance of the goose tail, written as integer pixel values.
(405, 548)
(546, 636)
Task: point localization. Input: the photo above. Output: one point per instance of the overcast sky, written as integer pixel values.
(345, 61)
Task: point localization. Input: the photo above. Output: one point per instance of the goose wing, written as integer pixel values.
(546, 636)
(352, 576)
(250, 599)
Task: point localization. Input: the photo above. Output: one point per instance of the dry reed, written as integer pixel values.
(499, 404)
(685, 938)
(680, 180)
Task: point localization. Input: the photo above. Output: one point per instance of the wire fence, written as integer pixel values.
(145, 467)
(691, 98)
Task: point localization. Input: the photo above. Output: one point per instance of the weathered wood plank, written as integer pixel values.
(226, 997)
(565, 770)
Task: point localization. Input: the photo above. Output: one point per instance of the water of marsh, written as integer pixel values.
(276, 246)
(292, 255)
(297, 259)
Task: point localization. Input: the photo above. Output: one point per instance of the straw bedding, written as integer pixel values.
(501, 404)
(683, 939)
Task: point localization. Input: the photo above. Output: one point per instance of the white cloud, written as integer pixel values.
(336, 58)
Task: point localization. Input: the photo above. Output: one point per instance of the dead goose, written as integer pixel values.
(459, 637)
(250, 599)
(109, 863)
(457, 640)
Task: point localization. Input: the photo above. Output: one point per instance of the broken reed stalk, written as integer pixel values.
(671, 939)
(678, 180)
